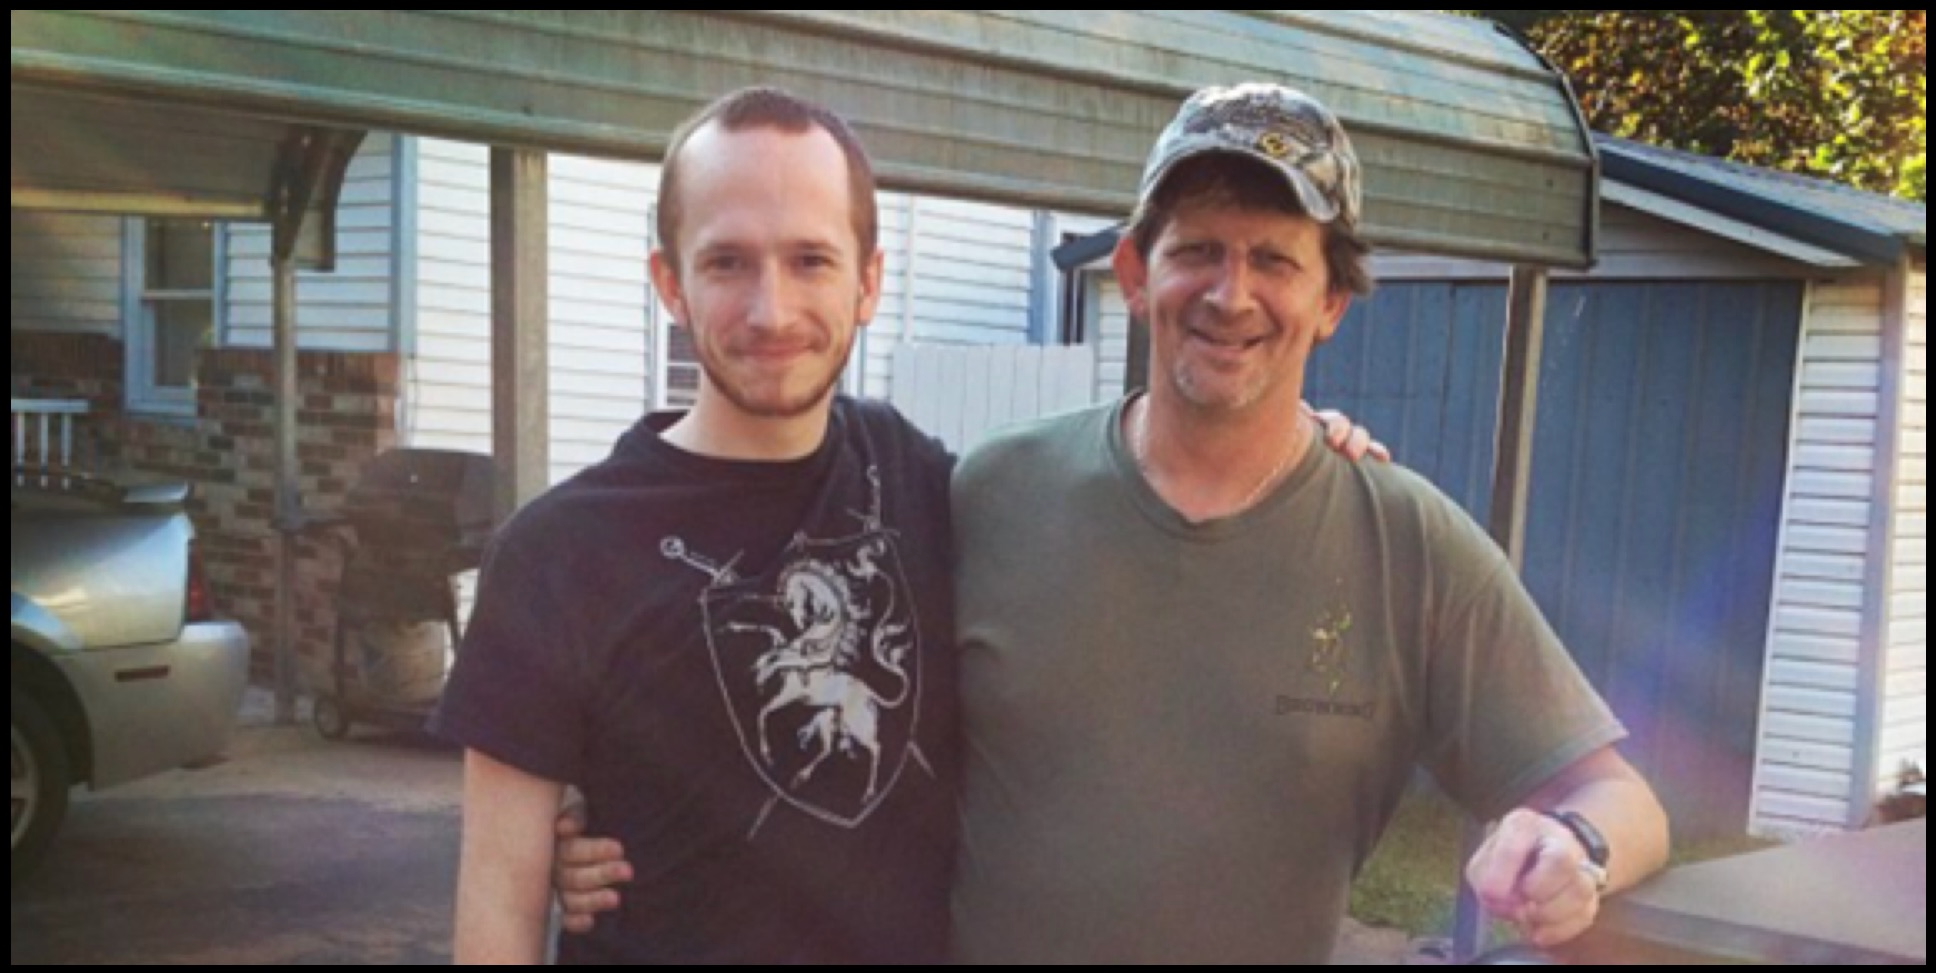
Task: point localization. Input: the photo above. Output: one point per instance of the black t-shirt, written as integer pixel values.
(749, 670)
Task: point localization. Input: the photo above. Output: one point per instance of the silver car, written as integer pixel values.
(120, 668)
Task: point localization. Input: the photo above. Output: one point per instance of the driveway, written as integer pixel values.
(292, 851)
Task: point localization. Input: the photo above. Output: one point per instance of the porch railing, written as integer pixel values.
(43, 439)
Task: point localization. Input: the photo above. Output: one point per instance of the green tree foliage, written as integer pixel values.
(1840, 94)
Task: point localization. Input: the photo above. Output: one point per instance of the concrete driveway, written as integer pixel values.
(292, 851)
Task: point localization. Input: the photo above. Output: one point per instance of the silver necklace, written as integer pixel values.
(1139, 450)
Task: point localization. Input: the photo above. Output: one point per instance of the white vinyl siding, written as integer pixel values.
(449, 377)
(351, 308)
(601, 346)
(973, 273)
(600, 289)
(1905, 706)
(957, 273)
(1806, 764)
(66, 273)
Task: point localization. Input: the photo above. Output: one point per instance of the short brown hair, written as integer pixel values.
(1223, 180)
(773, 108)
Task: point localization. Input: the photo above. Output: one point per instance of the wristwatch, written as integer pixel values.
(1598, 853)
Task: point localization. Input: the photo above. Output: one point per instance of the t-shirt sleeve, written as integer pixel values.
(1508, 707)
(515, 693)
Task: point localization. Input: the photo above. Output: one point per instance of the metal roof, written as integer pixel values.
(1868, 227)
(1471, 144)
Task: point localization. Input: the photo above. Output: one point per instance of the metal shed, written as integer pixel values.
(1728, 522)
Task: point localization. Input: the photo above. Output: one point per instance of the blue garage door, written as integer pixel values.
(1658, 467)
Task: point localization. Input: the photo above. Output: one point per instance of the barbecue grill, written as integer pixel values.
(412, 522)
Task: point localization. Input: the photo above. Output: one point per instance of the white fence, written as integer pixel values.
(961, 393)
(43, 438)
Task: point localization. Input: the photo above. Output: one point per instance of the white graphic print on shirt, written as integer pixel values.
(819, 664)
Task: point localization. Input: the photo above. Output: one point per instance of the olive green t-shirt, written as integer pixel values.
(1184, 739)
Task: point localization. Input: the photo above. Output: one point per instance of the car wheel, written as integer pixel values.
(41, 778)
(331, 721)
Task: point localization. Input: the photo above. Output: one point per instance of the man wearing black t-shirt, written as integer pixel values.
(733, 635)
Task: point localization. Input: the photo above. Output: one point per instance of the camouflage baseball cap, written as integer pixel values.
(1281, 127)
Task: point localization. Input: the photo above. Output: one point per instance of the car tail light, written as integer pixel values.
(201, 598)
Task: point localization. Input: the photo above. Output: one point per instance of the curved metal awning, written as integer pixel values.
(1472, 146)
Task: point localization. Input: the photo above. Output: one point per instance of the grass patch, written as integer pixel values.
(1411, 883)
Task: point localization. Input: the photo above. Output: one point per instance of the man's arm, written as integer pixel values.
(504, 879)
(1534, 871)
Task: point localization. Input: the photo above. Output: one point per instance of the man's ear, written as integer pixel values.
(665, 280)
(1132, 272)
(872, 273)
(1337, 301)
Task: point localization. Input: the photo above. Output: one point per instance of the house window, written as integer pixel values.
(679, 383)
(172, 283)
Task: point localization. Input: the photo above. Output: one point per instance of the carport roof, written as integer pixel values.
(1472, 145)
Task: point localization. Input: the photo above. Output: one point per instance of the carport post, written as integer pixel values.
(309, 168)
(520, 335)
(288, 487)
(1512, 472)
(1512, 477)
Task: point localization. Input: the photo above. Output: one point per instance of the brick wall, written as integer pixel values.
(348, 415)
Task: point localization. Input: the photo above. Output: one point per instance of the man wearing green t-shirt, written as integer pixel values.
(1201, 659)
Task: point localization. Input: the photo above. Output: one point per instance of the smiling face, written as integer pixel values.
(768, 271)
(1236, 298)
